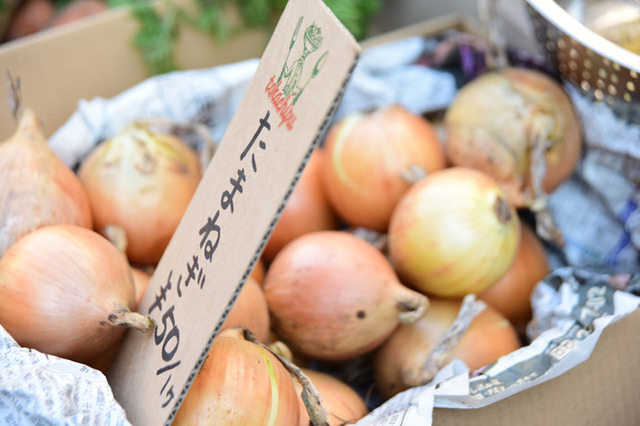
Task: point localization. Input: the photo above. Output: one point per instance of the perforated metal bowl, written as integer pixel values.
(597, 66)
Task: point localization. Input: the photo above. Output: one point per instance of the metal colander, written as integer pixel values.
(600, 67)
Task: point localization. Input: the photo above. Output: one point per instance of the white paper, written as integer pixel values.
(40, 389)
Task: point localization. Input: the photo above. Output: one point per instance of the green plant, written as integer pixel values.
(158, 29)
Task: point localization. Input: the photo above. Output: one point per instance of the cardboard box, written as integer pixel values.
(95, 58)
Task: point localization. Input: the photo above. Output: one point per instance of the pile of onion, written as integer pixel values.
(306, 210)
(371, 158)
(36, 188)
(67, 291)
(240, 383)
(333, 296)
(511, 295)
(453, 233)
(400, 360)
(519, 126)
(143, 181)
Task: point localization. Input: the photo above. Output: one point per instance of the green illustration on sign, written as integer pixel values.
(292, 74)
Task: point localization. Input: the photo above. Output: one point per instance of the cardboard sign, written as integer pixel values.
(285, 111)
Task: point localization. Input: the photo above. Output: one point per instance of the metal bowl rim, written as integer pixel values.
(562, 20)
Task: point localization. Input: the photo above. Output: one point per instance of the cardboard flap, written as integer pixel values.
(284, 113)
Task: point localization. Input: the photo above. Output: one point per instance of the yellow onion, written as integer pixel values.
(250, 310)
(141, 280)
(453, 233)
(371, 158)
(333, 296)
(343, 404)
(399, 361)
(36, 188)
(495, 122)
(259, 270)
(511, 295)
(307, 210)
(142, 181)
(67, 291)
(240, 383)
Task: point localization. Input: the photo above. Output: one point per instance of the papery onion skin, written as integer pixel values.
(333, 296)
(365, 157)
(62, 288)
(489, 337)
(491, 124)
(511, 295)
(308, 209)
(36, 187)
(240, 383)
(142, 181)
(250, 310)
(453, 233)
(342, 402)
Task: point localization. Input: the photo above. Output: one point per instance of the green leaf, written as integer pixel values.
(155, 37)
(255, 13)
(157, 33)
(355, 15)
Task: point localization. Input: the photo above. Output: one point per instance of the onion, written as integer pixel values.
(258, 271)
(307, 210)
(499, 119)
(67, 291)
(142, 181)
(453, 233)
(240, 383)
(401, 358)
(251, 311)
(369, 160)
(333, 296)
(341, 401)
(141, 275)
(141, 279)
(36, 188)
(29, 17)
(511, 295)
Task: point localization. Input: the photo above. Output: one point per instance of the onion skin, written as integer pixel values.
(29, 17)
(489, 337)
(143, 182)
(453, 233)
(365, 157)
(308, 209)
(36, 188)
(333, 296)
(250, 310)
(259, 270)
(141, 281)
(511, 295)
(240, 383)
(491, 124)
(341, 401)
(65, 290)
